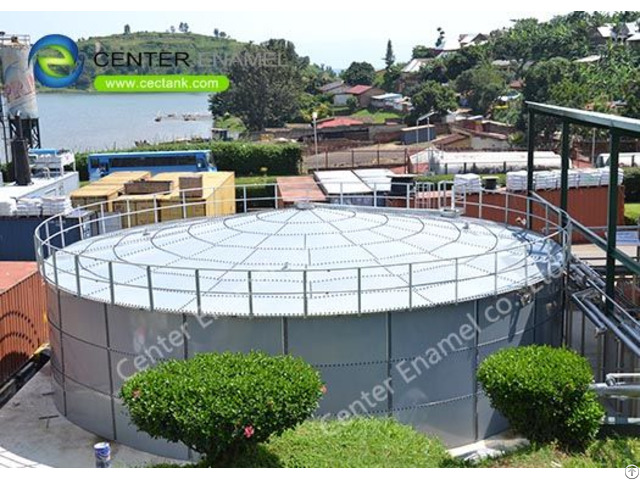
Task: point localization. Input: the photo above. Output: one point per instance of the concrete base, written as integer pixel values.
(33, 434)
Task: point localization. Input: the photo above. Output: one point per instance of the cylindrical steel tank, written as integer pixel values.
(395, 308)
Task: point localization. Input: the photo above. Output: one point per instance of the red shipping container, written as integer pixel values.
(23, 315)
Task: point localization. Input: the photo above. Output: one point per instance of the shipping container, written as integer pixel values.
(588, 205)
(23, 315)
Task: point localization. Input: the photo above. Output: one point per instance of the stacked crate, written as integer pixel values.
(144, 209)
(91, 194)
(120, 178)
(210, 194)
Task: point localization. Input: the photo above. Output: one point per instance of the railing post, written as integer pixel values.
(304, 293)
(341, 194)
(456, 278)
(155, 209)
(359, 290)
(526, 266)
(250, 291)
(150, 288)
(411, 286)
(104, 228)
(244, 198)
(63, 240)
(76, 261)
(198, 298)
(184, 205)
(55, 269)
(112, 287)
(48, 240)
(506, 209)
(495, 274)
(128, 213)
(408, 200)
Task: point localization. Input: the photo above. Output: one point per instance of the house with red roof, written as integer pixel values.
(363, 94)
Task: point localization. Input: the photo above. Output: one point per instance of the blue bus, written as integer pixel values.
(102, 164)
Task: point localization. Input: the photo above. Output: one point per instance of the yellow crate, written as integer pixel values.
(218, 199)
(122, 177)
(141, 208)
(91, 194)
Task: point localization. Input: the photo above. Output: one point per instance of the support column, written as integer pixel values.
(612, 217)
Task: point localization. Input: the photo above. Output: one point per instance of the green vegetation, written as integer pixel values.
(260, 95)
(631, 213)
(239, 157)
(193, 44)
(231, 123)
(359, 73)
(354, 443)
(543, 392)
(370, 115)
(222, 405)
(603, 453)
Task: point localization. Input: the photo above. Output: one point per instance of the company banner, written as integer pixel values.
(19, 84)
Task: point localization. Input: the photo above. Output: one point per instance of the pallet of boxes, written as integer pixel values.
(140, 199)
(174, 196)
(100, 195)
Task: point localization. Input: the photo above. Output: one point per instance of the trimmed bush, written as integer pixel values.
(543, 392)
(631, 184)
(221, 404)
(245, 159)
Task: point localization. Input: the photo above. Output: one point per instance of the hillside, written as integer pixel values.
(196, 45)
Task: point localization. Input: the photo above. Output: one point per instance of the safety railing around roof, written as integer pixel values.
(117, 281)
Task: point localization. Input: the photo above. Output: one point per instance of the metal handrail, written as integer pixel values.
(44, 245)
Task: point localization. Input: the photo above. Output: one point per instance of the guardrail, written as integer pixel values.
(56, 260)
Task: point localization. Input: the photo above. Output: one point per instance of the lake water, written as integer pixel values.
(82, 122)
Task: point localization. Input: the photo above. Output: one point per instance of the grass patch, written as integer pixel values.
(632, 211)
(612, 452)
(355, 443)
(375, 116)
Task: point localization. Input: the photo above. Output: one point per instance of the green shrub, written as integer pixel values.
(543, 392)
(631, 184)
(243, 158)
(357, 443)
(221, 404)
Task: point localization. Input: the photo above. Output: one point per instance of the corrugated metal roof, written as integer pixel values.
(12, 273)
(359, 89)
(378, 179)
(339, 122)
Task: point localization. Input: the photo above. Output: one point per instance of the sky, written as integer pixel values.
(331, 37)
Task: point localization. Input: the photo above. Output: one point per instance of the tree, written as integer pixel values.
(481, 86)
(127, 29)
(216, 32)
(183, 27)
(389, 57)
(432, 96)
(359, 73)
(172, 29)
(420, 51)
(260, 95)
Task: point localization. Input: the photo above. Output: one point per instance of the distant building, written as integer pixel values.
(329, 88)
(628, 32)
(363, 94)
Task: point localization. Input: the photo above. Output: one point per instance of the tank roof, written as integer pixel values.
(306, 261)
